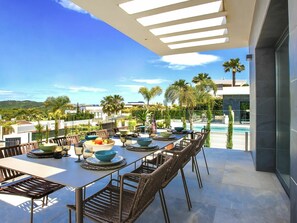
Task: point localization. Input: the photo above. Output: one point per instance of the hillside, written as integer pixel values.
(19, 104)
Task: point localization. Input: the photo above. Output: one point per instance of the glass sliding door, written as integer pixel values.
(283, 112)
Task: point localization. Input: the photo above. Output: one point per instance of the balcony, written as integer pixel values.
(233, 192)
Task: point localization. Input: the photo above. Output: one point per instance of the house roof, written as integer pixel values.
(229, 82)
(178, 26)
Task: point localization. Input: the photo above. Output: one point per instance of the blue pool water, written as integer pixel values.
(224, 128)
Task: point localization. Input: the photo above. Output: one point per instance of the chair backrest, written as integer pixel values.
(7, 174)
(65, 140)
(103, 133)
(180, 158)
(59, 140)
(148, 186)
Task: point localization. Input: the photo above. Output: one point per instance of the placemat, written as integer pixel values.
(88, 166)
(40, 156)
(159, 138)
(139, 149)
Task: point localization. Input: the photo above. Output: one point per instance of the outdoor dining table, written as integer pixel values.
(67, 172)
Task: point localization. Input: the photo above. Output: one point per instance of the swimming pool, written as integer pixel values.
(223, 128)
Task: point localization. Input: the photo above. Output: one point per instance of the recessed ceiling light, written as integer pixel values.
(198, 35)
(189, 26)
(199, 43)
(136, 6)
(188, 12)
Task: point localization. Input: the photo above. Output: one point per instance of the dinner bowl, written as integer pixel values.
(105, 155)
(144, 141)
(165, 134)
(106, 145)
(48, 147)
(178, 129)
(91, 137)
(124, 132)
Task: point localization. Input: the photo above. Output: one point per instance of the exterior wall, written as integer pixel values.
(262, 95)
(234, 101)
(261, 8)
(293, 97)
(262, 100)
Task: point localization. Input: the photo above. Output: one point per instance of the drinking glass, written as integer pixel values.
(123, 139)
(78, 151)
(66, 148)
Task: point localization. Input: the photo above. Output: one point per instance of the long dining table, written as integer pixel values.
(67, 172)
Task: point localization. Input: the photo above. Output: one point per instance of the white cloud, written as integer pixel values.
(70, 5)
(182, 61)
(131, 87)
(81, 88)
(150, 81)
(4, 92)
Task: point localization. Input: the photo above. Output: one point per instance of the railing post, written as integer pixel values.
(246, 141)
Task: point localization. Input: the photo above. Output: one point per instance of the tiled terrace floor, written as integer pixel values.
(233, 192)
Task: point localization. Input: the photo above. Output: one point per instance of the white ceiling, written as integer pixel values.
(238, 13)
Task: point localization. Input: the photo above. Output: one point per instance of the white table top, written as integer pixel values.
(66, 171)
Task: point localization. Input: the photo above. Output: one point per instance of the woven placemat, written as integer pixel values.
(139, 149)
(39, 156)
(158, 138)
(89, 166)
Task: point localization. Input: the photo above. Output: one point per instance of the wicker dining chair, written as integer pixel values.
(16, 183)
(180, 158)
(204, 133)
(124, 202)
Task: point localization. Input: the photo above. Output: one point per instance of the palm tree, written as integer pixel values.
(204, 81)
(177, 91)
(118, 102)
(58, 103)
(235, 66)
(107, 105)
(149, 94)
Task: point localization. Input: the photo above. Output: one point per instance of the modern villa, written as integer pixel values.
(267, 27)
(259, 185)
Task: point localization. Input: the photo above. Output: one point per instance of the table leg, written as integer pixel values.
(79, 205)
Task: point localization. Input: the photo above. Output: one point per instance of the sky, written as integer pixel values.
(54, 48)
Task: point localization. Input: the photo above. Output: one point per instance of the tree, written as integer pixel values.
(177, 91)
(230, 129)
(58, 103)
(57, 115)
(204, 82)
(118, 102)
(107, 105)
(112, 104)
(209, 119)
(149, 94)
(235, 66)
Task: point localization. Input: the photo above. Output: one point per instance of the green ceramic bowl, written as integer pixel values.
(48, 147)
(165, 134)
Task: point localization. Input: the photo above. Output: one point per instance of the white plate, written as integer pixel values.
(95, 161)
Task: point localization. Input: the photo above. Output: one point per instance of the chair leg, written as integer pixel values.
(192, 164)
(186, 189)
(164, 206)
(31, 214)
(205, 160)
(199, 179)
(69, 215)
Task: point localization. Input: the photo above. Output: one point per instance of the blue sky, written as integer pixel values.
(52, 48)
